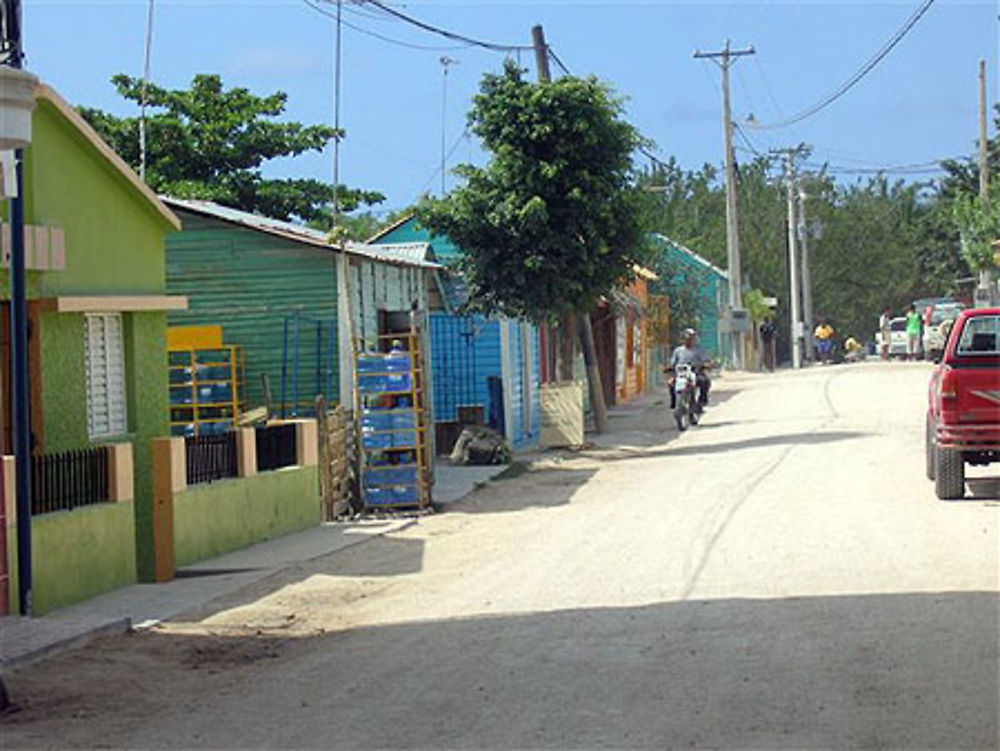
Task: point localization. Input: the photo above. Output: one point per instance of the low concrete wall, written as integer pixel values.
(78, 554)
(228, 515)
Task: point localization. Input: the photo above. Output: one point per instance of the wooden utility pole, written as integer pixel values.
(808, 318)
(985, 277)
(724, 59)
(794, 293)
(582, 320)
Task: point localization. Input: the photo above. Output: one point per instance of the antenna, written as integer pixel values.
(445, 63)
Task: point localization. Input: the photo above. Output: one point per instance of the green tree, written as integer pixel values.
(209, 143)
(553, 221)
(978, 224)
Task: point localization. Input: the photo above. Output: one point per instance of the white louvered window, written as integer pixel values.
(105, 360)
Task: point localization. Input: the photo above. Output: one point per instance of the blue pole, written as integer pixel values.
(21, 406)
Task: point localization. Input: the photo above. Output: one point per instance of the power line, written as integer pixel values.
(383, 37)
(858, 75)
(496, 47)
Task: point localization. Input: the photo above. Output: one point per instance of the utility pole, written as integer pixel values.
(988, 292)
(724, 59)
(142, 95)
(807, 299)
(793, 256)
(581, 319)
(445, 62)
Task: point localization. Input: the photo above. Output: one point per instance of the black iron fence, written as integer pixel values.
(210, 457)
(275, 447)
(69, 480)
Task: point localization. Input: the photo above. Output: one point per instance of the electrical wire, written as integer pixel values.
(437, 171)
(858, 75)
(454, 36)
(383, 37)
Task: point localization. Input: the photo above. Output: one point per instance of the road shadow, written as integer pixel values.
(848, 672)
(787, 439)
(531, 488)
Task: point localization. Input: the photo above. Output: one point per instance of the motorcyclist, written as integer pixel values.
(689, 353)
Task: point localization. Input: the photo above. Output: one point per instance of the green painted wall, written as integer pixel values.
(64, 382)
(81, 553)
(148, 418)
(114, 236)
(249, 282)
(64, 398)
(219, 517)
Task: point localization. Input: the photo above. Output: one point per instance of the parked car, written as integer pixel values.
(963, 408)
(941, 316)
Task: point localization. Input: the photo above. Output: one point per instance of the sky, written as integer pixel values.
(918, 105)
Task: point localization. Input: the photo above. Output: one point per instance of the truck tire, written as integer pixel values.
(949, 482)
(930, 450)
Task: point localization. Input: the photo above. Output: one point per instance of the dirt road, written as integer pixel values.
(781, 576)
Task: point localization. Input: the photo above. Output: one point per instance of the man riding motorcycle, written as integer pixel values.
(689, 353)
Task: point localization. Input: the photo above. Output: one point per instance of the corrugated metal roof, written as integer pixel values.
(399, 255)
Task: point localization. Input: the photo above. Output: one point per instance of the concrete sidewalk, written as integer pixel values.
(23, 640)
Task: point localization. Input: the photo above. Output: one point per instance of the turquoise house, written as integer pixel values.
(679, 266)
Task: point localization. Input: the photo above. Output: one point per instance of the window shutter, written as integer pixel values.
(105, 361)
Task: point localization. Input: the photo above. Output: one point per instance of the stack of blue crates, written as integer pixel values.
(388, 433)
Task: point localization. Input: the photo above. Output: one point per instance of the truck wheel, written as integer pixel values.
(949, 482)
(930, 450)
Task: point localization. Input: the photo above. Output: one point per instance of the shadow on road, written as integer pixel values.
(865, 671)
(620, 453)
(546, 488)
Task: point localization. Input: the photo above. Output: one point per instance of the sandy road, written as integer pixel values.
(781, 576)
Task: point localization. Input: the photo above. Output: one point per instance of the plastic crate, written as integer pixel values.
(387, 420)
(372, 440)
(390, 496)
(381, 476)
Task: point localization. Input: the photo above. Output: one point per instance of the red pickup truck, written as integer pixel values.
(963, 409)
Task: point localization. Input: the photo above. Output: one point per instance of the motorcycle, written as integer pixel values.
(688, 409)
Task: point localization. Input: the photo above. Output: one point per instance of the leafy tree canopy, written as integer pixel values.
(553, 221)
(209, 143)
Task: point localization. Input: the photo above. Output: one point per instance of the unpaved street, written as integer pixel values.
(781, 576)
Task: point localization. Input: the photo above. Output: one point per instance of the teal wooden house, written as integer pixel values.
(690, 269)
(279, 292)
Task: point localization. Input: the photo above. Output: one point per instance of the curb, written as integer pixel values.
(117, 626)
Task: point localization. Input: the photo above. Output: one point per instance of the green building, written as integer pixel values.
(95, 254)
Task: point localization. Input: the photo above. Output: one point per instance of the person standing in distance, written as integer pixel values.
(912, 333)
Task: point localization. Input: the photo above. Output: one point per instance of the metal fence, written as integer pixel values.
(69, 480)
(210, 457)
(275, 447)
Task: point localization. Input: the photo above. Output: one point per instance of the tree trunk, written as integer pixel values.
(593, 372)
(566, 329)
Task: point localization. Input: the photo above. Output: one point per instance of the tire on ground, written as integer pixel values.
(949, 482)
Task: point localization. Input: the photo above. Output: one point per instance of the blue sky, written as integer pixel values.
(918, 105)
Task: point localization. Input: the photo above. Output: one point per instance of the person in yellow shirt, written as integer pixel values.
(853, 350)
(824, 340)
